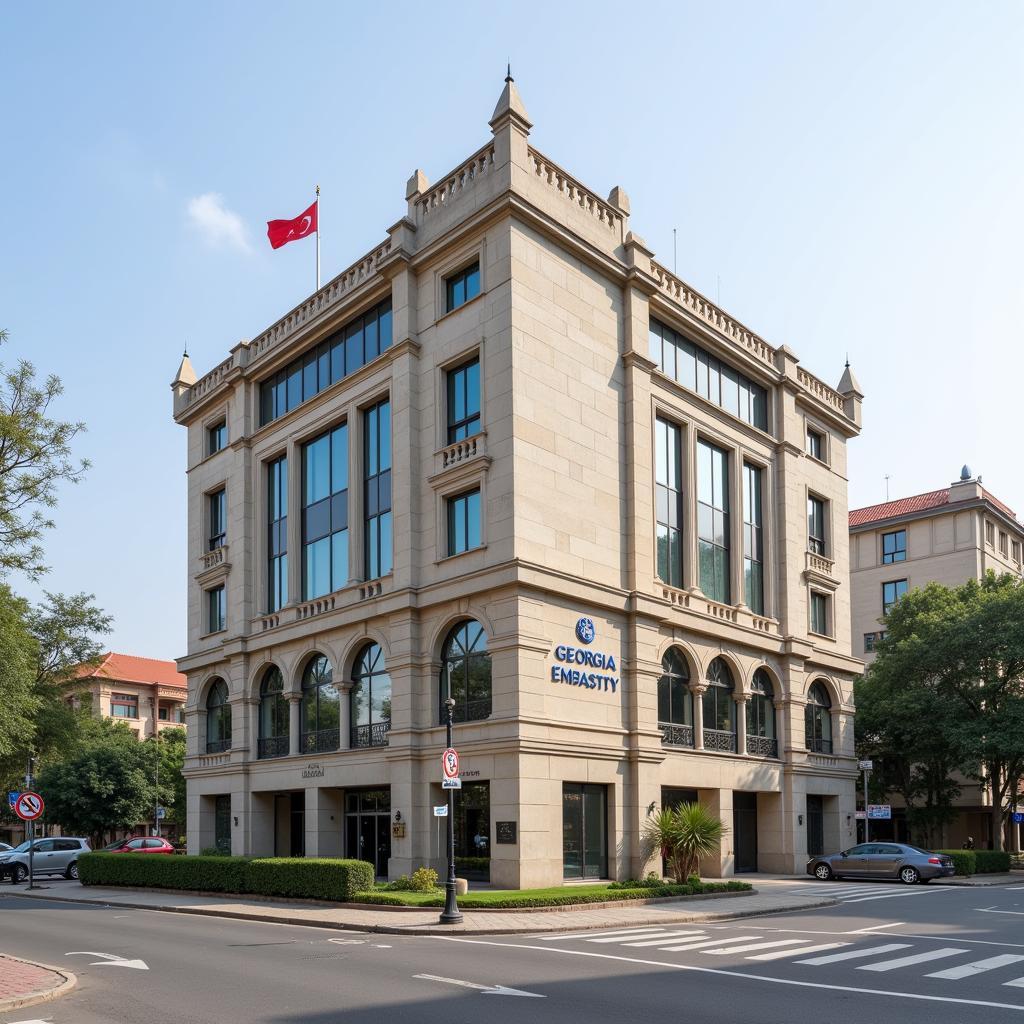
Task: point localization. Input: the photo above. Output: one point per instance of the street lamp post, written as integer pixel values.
(451, 913)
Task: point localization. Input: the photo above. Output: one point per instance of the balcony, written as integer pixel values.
(218, 746)
(820, 568)
(211, 559)
(762, 746)
(676, 735)
(720, 739)
(321, 742)
(375, 735)
(272, 746)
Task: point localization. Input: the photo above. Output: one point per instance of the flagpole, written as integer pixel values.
(318, 238)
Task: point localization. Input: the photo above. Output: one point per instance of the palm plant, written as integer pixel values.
(683, 836)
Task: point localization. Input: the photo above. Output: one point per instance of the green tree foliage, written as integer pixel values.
(19, 700)
(171, 750)
(683, 835)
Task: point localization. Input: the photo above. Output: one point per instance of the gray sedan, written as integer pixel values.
(909, 864)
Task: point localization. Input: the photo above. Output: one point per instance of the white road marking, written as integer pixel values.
(978, 967)
(596, 934)
(1014, 888)
(875, 928)
(664, 938)
(112, 960)
(348, 942)
(917, 958)
(1016, 983)
(779, 954)
(855, 954)
(756, 945)
(897, 895)
(487, 990)
(1015, 913)
(662, 933)
(708, 942)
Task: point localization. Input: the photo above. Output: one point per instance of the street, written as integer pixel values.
(927, 954)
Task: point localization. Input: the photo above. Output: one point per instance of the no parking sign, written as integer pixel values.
(29, 806)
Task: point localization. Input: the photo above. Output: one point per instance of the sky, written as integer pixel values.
(843, 177)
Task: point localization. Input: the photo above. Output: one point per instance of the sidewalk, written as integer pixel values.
(980, 880)
(424, 922)
(23, 983)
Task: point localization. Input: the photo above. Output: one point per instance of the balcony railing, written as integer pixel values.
(320, 742)
(818, 745)
(469, 711)
(218, 746)
(762, 746)
(375, 735)
(272, 746)
(720, 739)
(676, 735)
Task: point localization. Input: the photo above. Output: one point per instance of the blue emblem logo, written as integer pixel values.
(585, 632)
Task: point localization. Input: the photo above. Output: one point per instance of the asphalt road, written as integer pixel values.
(923, 954)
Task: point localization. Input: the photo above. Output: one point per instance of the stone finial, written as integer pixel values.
(618, 198)
(848, 384)
(186, 376)
(510, 108)
(417, 184)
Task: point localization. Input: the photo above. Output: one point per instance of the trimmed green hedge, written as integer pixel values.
(963, 860)
(321, 879)
(992, 862)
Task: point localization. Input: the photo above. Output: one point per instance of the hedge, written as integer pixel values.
(964, 861)
(992, 862)
(322, 879)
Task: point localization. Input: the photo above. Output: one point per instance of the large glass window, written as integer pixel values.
(464, 522)
(325, 513)
(463, 286)
(713, 521)
(371, 699)
(892, 591)
(216, 609)
(357, 343)
(321, 705)
(216, 437)
(377, 489)
(718, 707)
(675, 702)
(698, 370)
(218, 503)
(819, 614)
(466, 673)
(815, 525)
(894, 547)
(753, 540)
(464, 401)
(277, 534)
(761, 716)
(818, 720)
(124, 705)
(218, 718)
(668, 499)
(815, 444)
(273, 715)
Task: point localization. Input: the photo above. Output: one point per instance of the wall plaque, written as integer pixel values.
(505, 831)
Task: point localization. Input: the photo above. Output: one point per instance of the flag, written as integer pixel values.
(281, 232)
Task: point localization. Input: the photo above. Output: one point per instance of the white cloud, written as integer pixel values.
(216, 223)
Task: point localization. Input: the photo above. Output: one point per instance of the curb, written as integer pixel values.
(39, 996)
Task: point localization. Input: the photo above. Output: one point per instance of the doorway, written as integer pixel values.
(368, 827)
(815, 824)
(222, 824)
(584, 830)
(473, 831)
(744, 827)
(290, 825)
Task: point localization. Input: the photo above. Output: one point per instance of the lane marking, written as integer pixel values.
(708, 942)
(978, 967)
(897, 895)
(664, 938)
(755, 945)
(658, 933)
(596, 934)
(1016, 983)
(989, 910)
(917, 958)
(855, 954)
(487, 990)
(875, 928)
(767, 979)
(779, 954)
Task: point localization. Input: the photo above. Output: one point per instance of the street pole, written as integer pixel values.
(31, 826)
(156, 796)
(451, 913)
(866, 770)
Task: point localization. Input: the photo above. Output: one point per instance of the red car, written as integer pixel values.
(139, 844)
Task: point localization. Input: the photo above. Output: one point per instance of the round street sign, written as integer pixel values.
(450, 763)
(28, 806)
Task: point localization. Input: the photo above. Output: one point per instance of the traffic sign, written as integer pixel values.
(879, 811)
(859, 815)
(450, 763)
(865, 766)
(441, 812)
(451, 783)
(161, 813)
(29, 806)
(12, 799)
(1018, 817)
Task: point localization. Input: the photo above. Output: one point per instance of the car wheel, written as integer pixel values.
(72, 871)
(909, 875)
(822, 872)
(20, 874)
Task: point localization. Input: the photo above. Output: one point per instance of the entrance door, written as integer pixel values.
(744, 822)
(815, 824)
(222, 824)
(473, 831)
(584, 831)
(368, 827)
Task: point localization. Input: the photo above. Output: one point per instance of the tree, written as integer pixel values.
(683, 835)
(19, 701)
(170, 748)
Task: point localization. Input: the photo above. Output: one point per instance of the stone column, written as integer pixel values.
(345, 715)
(781, 726)
(294, 722)
(837, 729)
(697, 689)
(294, 524)
(741, 722)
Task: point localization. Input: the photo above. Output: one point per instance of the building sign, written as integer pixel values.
(881, 812)
(591, 670)
(313, 771)
(505, 831)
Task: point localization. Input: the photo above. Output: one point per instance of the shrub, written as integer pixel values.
(965, 861)
(990, 862)
(208, 874)
(683, 835)
(423, 880)
(213, 851)
(400, 884)
(310, 878)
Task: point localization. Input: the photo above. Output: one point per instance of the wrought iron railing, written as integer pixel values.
(763, 746)
(218, 746)
(818, 744)
(272, 746)
(719, 739)
(375, 735)
(320, 742)
(676, 735)
(469, 711)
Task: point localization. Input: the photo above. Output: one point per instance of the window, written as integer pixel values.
(218, 504)
(761, 716)
(753, 549)
(869, 642)
(325, 513)
(679, 358)
(359, 342)
(466, 673)
(718, 708)
(675, 702)
(815, 525)
(818, 720)
(216, 610)
(163, 713)
(894, 547)
(321, 708)
(463, 401)
(1003, 540)
(1015, 548)
(668, 500)
(273, 716)
(990, 534)
(124, 705)
(216, 437)
(377, 489)
(819, 614)
(464, 522)
(815, 445)
(277, 534)
(713, 521)
(371, 699)
(218, 718)
(891, 593)
(463, 286)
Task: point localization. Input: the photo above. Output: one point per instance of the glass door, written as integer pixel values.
(744, 818)
(815, 824)
(584, 831)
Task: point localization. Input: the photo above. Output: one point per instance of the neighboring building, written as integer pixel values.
(948, 536)
(144, 693)
(509, 456)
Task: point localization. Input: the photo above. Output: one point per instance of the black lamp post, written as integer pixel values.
(451, 913)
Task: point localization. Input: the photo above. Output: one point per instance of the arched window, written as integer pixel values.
(218, 718)
(321, 707)
(818, 720)
(761, 716)
(466, 673)
(719, 717)
(675, 702)
(273, 738)
(371, 699)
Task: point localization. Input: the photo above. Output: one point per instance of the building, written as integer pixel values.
(947, 536)
(146, 694)
(508, 455)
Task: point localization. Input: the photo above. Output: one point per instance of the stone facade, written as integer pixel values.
(563, 459)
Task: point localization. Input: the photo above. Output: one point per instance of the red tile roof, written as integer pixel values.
(125, 668)
(916, 503)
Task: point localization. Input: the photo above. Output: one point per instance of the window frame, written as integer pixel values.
(451, 514)
(753, 537)
(378, 556)
(669, 557)
(897, 554)
(217, 518)
(466, 642)
(471, 424)
(724, 510)
(815, 438)
(817, 545)
(125, 700)
(468, 272)
(336, 502)
(218, 717)
(818, 713)
(276, 476)
(216, 617)
(370, 665)
(886, 607)
(819, 597)
(217, 436)
(673, 688)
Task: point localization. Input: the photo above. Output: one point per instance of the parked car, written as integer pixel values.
(139, 844)
(49, 857)
(5, 846)
(909, 864)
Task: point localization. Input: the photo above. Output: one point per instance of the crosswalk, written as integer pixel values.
(851, 893)
(810, 951)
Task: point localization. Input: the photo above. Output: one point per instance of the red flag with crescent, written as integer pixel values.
(280, 232)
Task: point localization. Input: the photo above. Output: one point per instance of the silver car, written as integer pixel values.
(49, 857)
(909, 864)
